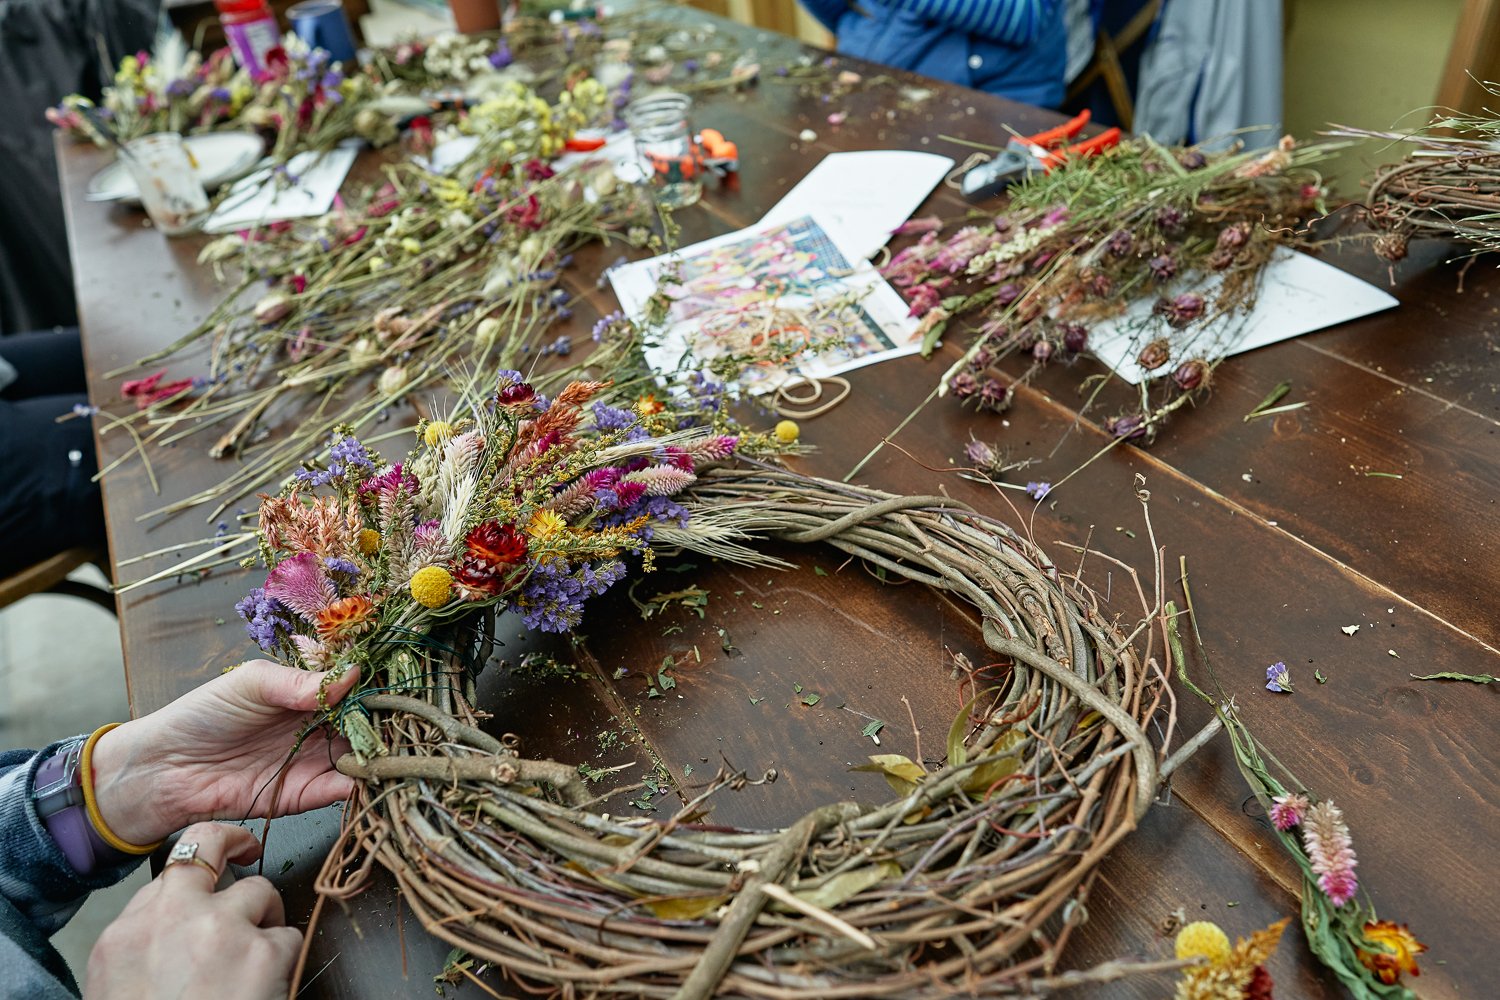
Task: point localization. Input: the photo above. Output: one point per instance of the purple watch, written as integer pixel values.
(58, 794)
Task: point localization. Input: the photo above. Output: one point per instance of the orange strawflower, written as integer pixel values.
(648, 405)
(1396, 951)
(346, 616)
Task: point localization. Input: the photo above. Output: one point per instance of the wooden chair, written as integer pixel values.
(1106, 64)
(50, 576)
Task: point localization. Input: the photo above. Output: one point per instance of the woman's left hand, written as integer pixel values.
(216, 753)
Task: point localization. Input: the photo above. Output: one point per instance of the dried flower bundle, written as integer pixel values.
(524, 503)
(1368, 955)
(1191, 231)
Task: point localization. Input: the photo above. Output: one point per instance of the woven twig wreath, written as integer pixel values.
(952, 888)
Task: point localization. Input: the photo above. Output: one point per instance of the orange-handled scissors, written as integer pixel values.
(1025, 155)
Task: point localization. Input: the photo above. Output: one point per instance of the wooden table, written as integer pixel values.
(1286, 536)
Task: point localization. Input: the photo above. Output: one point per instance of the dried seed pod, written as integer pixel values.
(1192, 159)
(1130, 426)
(273, 308)
(1163, 267)
(994, 395)
(1233, 237)
(980, 454)
(1192, 374)
(964, 385)
(1154, 355)
(1042, 350)
(1075, 337)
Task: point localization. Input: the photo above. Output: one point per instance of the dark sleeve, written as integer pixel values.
(35, 877)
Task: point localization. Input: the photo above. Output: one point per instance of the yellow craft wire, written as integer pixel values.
(86, 765)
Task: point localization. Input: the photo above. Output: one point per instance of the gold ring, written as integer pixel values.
(184, 853)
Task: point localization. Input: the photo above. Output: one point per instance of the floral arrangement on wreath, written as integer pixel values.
(528, 504)
(1190, 231)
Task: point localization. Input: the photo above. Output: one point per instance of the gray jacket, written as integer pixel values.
(39, 890)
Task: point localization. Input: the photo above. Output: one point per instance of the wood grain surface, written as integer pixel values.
(1286, 538)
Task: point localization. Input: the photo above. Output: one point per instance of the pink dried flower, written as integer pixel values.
(926, 224)
(1330, 850)
(661, 480)
(301, 584)
(714, 449)
(1287, 811)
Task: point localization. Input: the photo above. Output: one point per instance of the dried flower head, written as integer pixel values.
(1390, 950)
(1154, 355)
(1330, 851)
(1287, 810)
(1203, 939)
(1195, 373)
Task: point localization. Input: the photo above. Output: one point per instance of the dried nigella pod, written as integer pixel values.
(1154, 355)
(1193, 374)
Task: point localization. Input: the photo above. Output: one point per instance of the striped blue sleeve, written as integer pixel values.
(1009, 22)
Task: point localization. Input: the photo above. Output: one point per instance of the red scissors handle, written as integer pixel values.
(1057, 135)
(1088, 147)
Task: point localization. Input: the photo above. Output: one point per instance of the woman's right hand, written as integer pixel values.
(178, 938)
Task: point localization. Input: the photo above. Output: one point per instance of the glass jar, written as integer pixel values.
(663, 135)
(168, 181)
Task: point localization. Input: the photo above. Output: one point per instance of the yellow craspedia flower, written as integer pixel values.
(369, 542)
(436, 433)
(787, 432)
(1203, 939)
(431, 586)
(544, 523)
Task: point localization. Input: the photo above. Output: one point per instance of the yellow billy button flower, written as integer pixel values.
(431, 586)
(369, 542)
(436, 433)
(787, 432)
(1203, 939)
(545, 523)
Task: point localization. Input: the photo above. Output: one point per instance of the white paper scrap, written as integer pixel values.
(861, 196)
(764, 290)
(263, 198)
(1298, 294)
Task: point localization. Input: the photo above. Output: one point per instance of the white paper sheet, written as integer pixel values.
(777, 278)
(260, 199)
(861, 196)
(1298, 294)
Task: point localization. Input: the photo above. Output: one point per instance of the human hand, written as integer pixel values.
(178, 938)
(216, 753)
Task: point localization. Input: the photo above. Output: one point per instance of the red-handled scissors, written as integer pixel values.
(1025, 155)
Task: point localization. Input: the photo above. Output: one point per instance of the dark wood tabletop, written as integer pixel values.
(1286, 537)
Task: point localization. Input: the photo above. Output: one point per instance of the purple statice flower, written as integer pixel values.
(331, 79)
(1278, 678)
(602, 328)
(553, 596)
(1038, 491)
(220, 94)
(562, 346)
(181, 88)
(267, 622)
(690, 66)
(346, 454)
(501, 57)
(611, 418)
(341, 567)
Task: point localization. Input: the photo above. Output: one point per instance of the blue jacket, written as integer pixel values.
(39, 890)
(1029, 70)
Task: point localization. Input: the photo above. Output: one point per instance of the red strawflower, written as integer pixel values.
(491, 550)
(525, 214)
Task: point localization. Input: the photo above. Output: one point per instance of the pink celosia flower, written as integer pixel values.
(1287, 811)
(714, 449)
(1325, 836)
(661, 480)
(301, 584)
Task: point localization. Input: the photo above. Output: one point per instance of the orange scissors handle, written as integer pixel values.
(1055, 136)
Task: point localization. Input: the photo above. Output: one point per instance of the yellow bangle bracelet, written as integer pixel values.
(91, 804)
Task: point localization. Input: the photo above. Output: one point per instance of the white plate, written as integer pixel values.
(222, 157)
